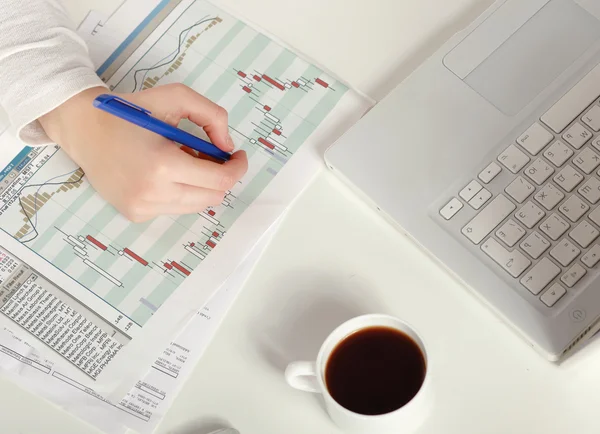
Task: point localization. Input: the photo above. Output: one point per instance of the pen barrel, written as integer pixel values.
(184, 138)
(141, 117)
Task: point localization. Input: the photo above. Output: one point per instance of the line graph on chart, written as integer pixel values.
(274, 99)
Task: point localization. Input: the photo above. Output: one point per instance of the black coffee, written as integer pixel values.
(375, 370)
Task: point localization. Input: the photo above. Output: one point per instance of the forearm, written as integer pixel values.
(43, 63)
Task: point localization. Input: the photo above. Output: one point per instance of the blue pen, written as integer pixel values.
(142, 117)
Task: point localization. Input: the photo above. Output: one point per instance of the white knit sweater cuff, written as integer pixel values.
(25, 120)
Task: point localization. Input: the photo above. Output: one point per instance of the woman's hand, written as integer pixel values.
(140, 173)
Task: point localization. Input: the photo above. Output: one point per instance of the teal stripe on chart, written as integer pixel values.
(100, 220)
(126, 238)
(277, 67)
(188, 220)
(59, 222)
(315, 117)
(142, 314)
(217, 49)
(159, 295)
(158, 250)
(296, 139)
(220, 87)
(259, 182)
(241, 111)
(228, 79)
(293, 96)
(81, 200)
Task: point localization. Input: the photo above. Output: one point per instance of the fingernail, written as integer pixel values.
(230, 142)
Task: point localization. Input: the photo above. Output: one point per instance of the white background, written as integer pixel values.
(333, 259)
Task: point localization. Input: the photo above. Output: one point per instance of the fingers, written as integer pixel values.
(207, 174)
(205, 113)
(188, 200)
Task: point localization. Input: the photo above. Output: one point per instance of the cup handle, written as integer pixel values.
(302, 376)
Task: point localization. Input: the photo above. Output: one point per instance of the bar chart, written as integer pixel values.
(275, 101)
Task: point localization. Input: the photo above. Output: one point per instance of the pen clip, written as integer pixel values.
(133, 106)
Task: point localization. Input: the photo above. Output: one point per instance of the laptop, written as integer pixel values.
(488, 157)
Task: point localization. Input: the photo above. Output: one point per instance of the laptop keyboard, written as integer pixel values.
(543, 228)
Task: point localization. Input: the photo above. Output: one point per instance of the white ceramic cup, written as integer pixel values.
(310, 377)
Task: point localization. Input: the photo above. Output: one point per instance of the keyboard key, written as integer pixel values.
(519, 189)
(568, 178)
(554, 293)
(535, 138)
(574, 208)
(487, 220)
(530, 214)
(480, 199)
(510, 233)
(558, 153)
(549, 196)
(574, 275)
(590, 190)
(592, 118)
(514, 263)
(513, 159)
(470, 191)
(595, 216)
(584, 234)
(565, 252)
(539, 171)
(573, 102)
(489, 172)
(540, 276)
(587, 160)
(535, 244)
(596, 143)
(554, 226)
(592, 256)
(577, 135)
(451, 208)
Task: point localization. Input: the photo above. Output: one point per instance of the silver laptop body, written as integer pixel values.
(488, 157)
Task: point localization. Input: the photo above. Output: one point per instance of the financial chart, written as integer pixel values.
(275, 100)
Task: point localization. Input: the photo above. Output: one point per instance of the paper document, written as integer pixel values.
(78, 10)
(145, 405)
(101, 295)
(104, 32)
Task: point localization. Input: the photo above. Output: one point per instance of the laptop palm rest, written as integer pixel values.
(536, 50)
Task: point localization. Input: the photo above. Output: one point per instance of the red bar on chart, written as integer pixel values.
(211, 244)
(267, 144)
(257, 78)
(277, 132)
(216, 234)
(267, 108)
(168, 266)
(273, 82)
(95, 242)
(247, 89)
(211, 213)
(134, 256)
(241, 74)
(180, 268)
(321, 82)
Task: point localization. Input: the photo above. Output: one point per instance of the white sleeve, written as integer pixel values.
(43, 63)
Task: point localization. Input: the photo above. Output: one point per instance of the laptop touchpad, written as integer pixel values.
(526, 61)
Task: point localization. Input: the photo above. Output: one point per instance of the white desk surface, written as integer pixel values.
(324, 267)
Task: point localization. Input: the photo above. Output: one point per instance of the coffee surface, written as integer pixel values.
(375, 370)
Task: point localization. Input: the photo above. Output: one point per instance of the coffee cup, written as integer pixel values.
(373, 373)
